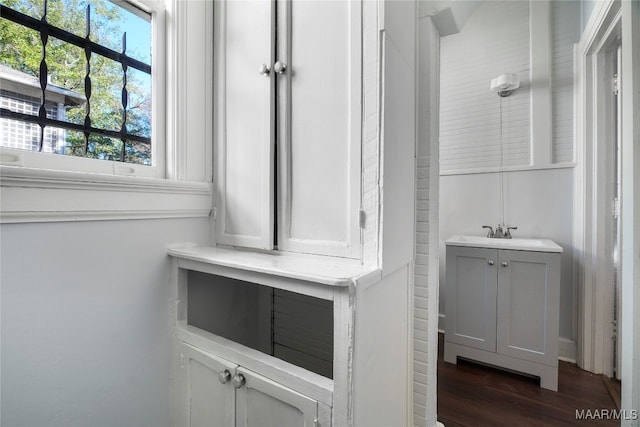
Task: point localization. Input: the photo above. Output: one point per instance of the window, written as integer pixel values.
(80, 80)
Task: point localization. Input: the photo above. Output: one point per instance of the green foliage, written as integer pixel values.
(21, 49)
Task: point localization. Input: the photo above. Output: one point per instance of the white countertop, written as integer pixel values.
(313, 268)
(516, 244)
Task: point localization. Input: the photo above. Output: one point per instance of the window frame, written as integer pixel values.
(54, 188)
(158, 167)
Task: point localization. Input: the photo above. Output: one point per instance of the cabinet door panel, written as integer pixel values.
(471, 297)
(319, 108)
(206, 402)
(243, 124)
(528, 306)
(265, 403)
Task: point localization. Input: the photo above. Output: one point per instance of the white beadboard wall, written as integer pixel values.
(425, 338)
(494, 40)
(421, 340)
(565, 21)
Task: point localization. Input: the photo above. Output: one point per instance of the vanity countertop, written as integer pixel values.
(516, 244)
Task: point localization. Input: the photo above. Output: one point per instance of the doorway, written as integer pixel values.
(592, 323)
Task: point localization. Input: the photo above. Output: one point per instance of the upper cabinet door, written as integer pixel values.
(244, 122)
(319, 132)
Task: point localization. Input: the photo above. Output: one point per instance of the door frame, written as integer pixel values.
(593, 188)
(610, 18)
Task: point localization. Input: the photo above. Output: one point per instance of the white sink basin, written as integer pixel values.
(517, 244)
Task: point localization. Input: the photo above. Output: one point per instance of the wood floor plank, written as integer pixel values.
(471, 394)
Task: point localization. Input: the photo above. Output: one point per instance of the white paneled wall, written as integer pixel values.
(566, 31)
(469, 112)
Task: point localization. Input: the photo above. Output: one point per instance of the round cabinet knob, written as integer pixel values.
(238, 381)
(490, 262)
(264, 69)
(504, 263)
(279, 67)
(224, 376)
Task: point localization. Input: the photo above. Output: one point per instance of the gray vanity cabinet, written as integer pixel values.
(502, 308)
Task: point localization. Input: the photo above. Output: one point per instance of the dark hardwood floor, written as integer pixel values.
(470, 394)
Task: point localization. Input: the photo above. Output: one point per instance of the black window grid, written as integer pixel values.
(45, 30)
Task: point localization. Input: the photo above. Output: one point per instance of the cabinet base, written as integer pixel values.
(548, 374)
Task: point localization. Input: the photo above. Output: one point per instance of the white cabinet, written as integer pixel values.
(502, 308)
(288, 135)
(215, 392)
(314, 156)
(319, 354)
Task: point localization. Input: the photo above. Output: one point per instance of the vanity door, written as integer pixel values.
(472, 283)
(528, 305)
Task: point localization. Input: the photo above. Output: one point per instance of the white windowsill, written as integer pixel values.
(318, 269)
(41, 195)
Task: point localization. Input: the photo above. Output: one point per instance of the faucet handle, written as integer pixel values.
(508, 232)
(490, 233)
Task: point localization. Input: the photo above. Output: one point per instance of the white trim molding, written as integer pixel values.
(593, 270)
(630, 333)
(37, 195)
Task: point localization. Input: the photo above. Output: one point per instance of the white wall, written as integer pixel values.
(538, 190)
(85, 321)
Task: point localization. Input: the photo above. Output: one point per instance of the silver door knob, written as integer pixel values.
(264, 69)
(490, 262)
(238, 381)
(279, 67)
(504, 263)
(224, 376)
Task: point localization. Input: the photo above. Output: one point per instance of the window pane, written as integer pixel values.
(135, 23)
(67, 84)
(67, 67)
(139, 106)
(138, 153)
(104, 148)
(21, 48)
(106, 93)
(32, 8)
(69, 15)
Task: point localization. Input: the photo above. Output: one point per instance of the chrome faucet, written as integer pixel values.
(500, 232)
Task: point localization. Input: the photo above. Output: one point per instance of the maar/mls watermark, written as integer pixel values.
(607, 414)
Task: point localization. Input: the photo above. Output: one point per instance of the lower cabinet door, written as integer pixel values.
(205, 397)
(528, 305)
(261, 402)
(472, 283)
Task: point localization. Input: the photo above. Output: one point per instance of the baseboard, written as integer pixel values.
(567, 349)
